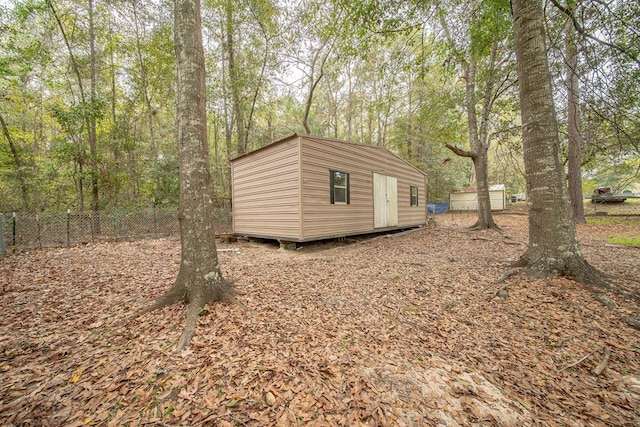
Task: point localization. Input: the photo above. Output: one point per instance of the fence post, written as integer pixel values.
(92, 219)
(39, 231)
(68, 227)
(3, 243)
(115, 223)
(13, 234)
(155, 221)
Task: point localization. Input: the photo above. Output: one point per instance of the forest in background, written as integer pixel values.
(88, 91)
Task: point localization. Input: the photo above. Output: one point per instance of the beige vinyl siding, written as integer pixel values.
(282, 191)
(412, 215)
(266, 192)
(322, 219)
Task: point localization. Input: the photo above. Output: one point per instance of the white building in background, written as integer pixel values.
(467, 199)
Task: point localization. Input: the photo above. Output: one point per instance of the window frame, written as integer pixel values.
(411, 196)
(333, 186)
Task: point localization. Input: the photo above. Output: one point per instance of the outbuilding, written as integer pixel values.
(303, 188)
(467, 199)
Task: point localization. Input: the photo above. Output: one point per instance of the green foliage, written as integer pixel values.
(490, 22)
(619, 174)
(167, 176)
(74, 119)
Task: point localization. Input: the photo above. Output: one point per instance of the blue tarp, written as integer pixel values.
(437, 208)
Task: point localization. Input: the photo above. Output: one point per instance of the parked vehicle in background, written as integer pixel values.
(605, 195)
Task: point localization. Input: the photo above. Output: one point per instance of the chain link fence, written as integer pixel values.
(25, 230)
(3, 242)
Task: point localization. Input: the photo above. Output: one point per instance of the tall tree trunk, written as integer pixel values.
(80, 157)
(227, 114)
(314, 80)
(485, 215)
(479, 141)
(349, 102)
(553, 243)
(234, 80)
(199, 280)
(147, 99)
(17, 160)
(478, 137)
(114, 119)
(410, 119)
(93, 152)
(258, 86)
(573, 127)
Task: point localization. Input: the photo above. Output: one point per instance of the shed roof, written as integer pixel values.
(473, 189)
(296, 135)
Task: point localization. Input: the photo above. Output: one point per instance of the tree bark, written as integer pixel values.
(199, 280)
(553, 243)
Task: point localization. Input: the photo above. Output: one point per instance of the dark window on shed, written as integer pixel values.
(339, 187)
(414, 195)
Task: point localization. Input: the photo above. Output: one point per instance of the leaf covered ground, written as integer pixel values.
(408, 329)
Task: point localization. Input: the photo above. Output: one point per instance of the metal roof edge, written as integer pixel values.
(324, 138)
(271, 144)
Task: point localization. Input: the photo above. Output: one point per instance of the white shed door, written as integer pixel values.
(385, 201)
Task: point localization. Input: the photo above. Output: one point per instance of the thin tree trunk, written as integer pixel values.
(227, 115)
(573, 128)
(256, 91)
(349, 102)
(76, 70)
(313, 84)
(17, 160)
(93, 152)
(80, 174)
(553, 243)
(478, 137)
(234, 80)
(410, 120)
(114, 118)
(479, 143)
(147, 99)
(74, 63)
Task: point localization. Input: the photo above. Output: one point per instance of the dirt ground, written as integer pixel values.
(409, 329)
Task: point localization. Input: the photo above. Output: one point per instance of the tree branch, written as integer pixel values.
(460, 152)
(582, 31)
(74, 63)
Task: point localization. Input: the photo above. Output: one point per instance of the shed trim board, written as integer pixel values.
(289, 197)
(300, 198)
